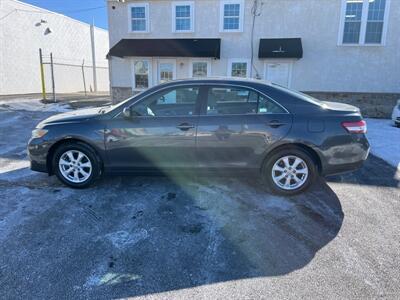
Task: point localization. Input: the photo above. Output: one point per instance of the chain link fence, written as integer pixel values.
(66, 75)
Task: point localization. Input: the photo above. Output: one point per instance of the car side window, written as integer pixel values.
(173, 102)
(267, 106)
(237, 101)
(231, 101)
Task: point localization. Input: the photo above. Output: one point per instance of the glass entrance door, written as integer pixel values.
(166, 70)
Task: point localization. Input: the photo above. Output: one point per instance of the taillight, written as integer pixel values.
(355, 127)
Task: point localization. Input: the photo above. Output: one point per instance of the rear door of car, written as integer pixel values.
(236, 126)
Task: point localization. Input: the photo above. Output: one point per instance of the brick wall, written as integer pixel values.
(119, 94)
(373, 105)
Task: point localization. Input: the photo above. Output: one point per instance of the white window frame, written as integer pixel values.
(183, 3)
(150, 62)
(147, 14)
(208, 62)
(238, 60)
(221, 17)
(364, 22)
(278, 61)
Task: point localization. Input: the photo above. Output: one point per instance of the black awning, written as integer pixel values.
(167, 47)
(280, 48)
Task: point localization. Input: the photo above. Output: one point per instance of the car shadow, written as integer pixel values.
(135, 235)
(374, 172)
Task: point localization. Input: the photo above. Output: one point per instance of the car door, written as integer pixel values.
(161, 134)
(236, 127)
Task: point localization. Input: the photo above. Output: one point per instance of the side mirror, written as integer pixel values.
(127, 112)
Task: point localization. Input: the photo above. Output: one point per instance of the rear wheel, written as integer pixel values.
(76, 165)
(289, 171)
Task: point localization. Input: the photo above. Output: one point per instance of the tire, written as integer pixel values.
(83, 162)
(282, 163)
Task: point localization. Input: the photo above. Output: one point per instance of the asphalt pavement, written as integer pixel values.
(193, 237)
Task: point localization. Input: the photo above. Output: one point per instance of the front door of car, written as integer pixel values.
(236, 127)
(160, 134)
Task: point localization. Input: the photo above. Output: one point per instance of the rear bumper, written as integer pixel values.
(346, 157)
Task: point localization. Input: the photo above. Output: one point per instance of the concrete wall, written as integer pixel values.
(325, 66)
(20, 40)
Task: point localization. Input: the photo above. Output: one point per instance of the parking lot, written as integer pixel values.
(192, 237)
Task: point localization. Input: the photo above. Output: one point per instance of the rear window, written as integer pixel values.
(298, 95)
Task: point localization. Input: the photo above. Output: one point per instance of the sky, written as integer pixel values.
(83, 10)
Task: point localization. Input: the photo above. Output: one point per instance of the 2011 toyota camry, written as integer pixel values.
(208, 124)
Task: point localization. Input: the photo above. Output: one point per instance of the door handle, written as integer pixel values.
(185, 126)
(276, 124)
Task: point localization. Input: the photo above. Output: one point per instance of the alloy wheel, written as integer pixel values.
(290, 172)
(75, 166)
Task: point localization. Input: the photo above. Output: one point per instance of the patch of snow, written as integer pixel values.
(11, 169)
(385, 140)
(110, 279)
(121, 239)
(33, 105)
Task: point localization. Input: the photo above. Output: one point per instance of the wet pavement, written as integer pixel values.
(192, 237)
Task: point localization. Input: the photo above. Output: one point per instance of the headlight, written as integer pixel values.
(38, 133)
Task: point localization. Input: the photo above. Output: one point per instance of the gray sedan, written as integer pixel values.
(207, 125)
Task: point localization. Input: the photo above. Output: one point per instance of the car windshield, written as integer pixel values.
(109, 108)
(299, 95)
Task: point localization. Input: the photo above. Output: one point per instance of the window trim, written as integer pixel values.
(238, 60)
(192, 17)
(221, 17)
(147, 14)
(289, 62)
(150, 62)
(192, 61)
(364, 22)
(133, 101)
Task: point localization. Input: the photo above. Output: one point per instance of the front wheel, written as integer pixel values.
(289, 171)
(76, 165)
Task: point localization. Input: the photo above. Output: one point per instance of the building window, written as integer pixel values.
(231, 15)
(375, 21)
(238, 68)
(139, 15)
(364, 22)
(200, 69)
(183, 13)
(141, 74)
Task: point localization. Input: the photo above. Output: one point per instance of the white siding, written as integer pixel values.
(324, 67)
(20, 40)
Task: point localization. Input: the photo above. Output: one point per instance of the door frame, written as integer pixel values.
(168, 61)
(280, 61)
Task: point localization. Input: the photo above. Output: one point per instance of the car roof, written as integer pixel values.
(216, 79)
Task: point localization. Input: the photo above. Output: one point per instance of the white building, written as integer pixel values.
(25, 28)
(345, 50)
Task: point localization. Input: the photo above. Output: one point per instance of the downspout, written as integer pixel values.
(256, 12)
(93, 57)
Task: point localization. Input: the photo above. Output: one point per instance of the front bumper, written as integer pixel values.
(37, 152)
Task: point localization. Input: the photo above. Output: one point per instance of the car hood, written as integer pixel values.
(72, 116)
(336, 106)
